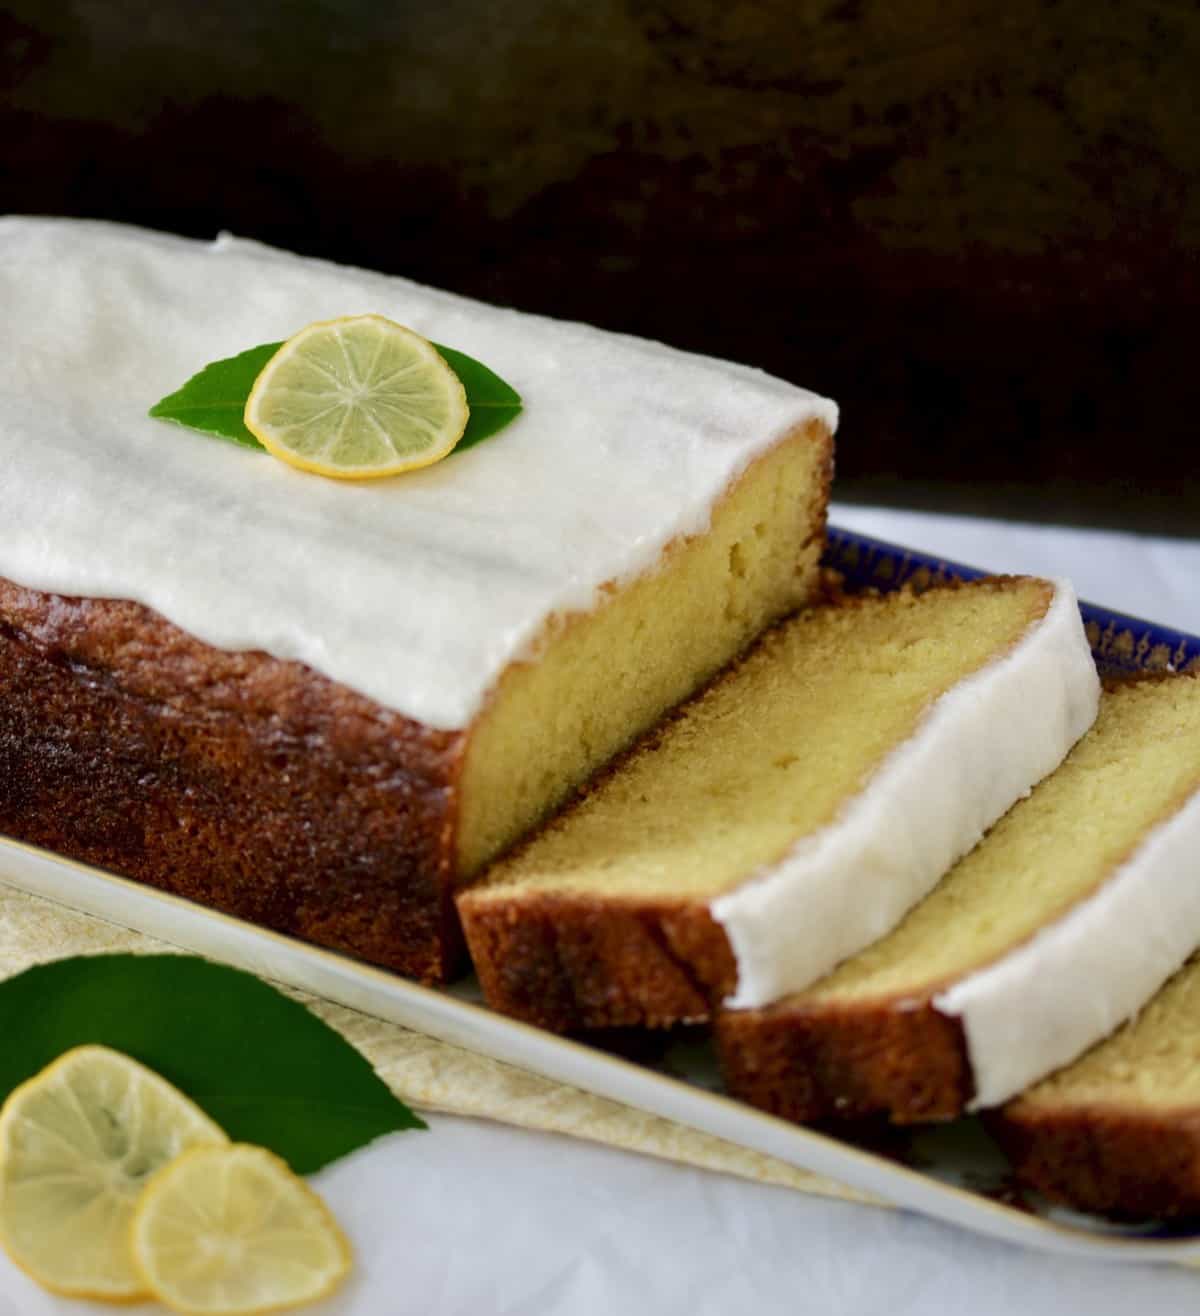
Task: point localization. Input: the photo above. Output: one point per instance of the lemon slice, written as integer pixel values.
(77, 1143)
(231, 1231)
(357, 399)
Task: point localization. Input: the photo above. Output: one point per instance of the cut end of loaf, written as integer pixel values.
(601, 679)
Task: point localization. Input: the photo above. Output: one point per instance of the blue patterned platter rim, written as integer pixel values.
(1122, 645)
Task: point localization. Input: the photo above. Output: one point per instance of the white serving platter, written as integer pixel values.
(953, 1173)
(950, 1159)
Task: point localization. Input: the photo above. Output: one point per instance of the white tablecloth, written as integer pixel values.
(485, 1221)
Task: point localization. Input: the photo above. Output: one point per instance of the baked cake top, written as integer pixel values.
(416, 591)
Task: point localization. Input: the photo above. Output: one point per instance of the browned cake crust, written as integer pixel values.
(1120, 1162)
(571, 965)
(235, 779)
(899, 1059)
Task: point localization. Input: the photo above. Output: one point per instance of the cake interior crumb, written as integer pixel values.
(772, 751)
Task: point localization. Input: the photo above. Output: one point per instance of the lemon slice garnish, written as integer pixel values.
(357, 399)
(77, 1143)
(231, 1231)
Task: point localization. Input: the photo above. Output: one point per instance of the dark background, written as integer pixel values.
(974, 222)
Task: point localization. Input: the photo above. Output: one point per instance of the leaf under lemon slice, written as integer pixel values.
(493, 403)
(213, 401)
(358, 398)
(263, 1066)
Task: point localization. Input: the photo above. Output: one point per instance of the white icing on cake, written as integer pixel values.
(980, 747)
(1080, 978)
(417, 591)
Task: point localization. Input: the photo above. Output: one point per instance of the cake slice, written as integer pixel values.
(792, 813)
(1061, 924)
(1118, 1132)
(321, 705)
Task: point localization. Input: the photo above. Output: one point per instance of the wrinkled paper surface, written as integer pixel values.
(422, 1071)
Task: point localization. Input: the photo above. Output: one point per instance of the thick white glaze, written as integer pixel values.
(980, 747)
(417, 591)
(1075, 981)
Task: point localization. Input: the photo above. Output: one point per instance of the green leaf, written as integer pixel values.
(213, 400)
(493, 403)
(260, 1064)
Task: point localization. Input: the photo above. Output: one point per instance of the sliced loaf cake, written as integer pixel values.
(1118, 1132)
(792, 813)
(1067, 918)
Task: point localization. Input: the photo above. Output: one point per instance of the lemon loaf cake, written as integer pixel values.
(1069, 915)
(1118, 1132)
(319, 704)
(790, 814)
